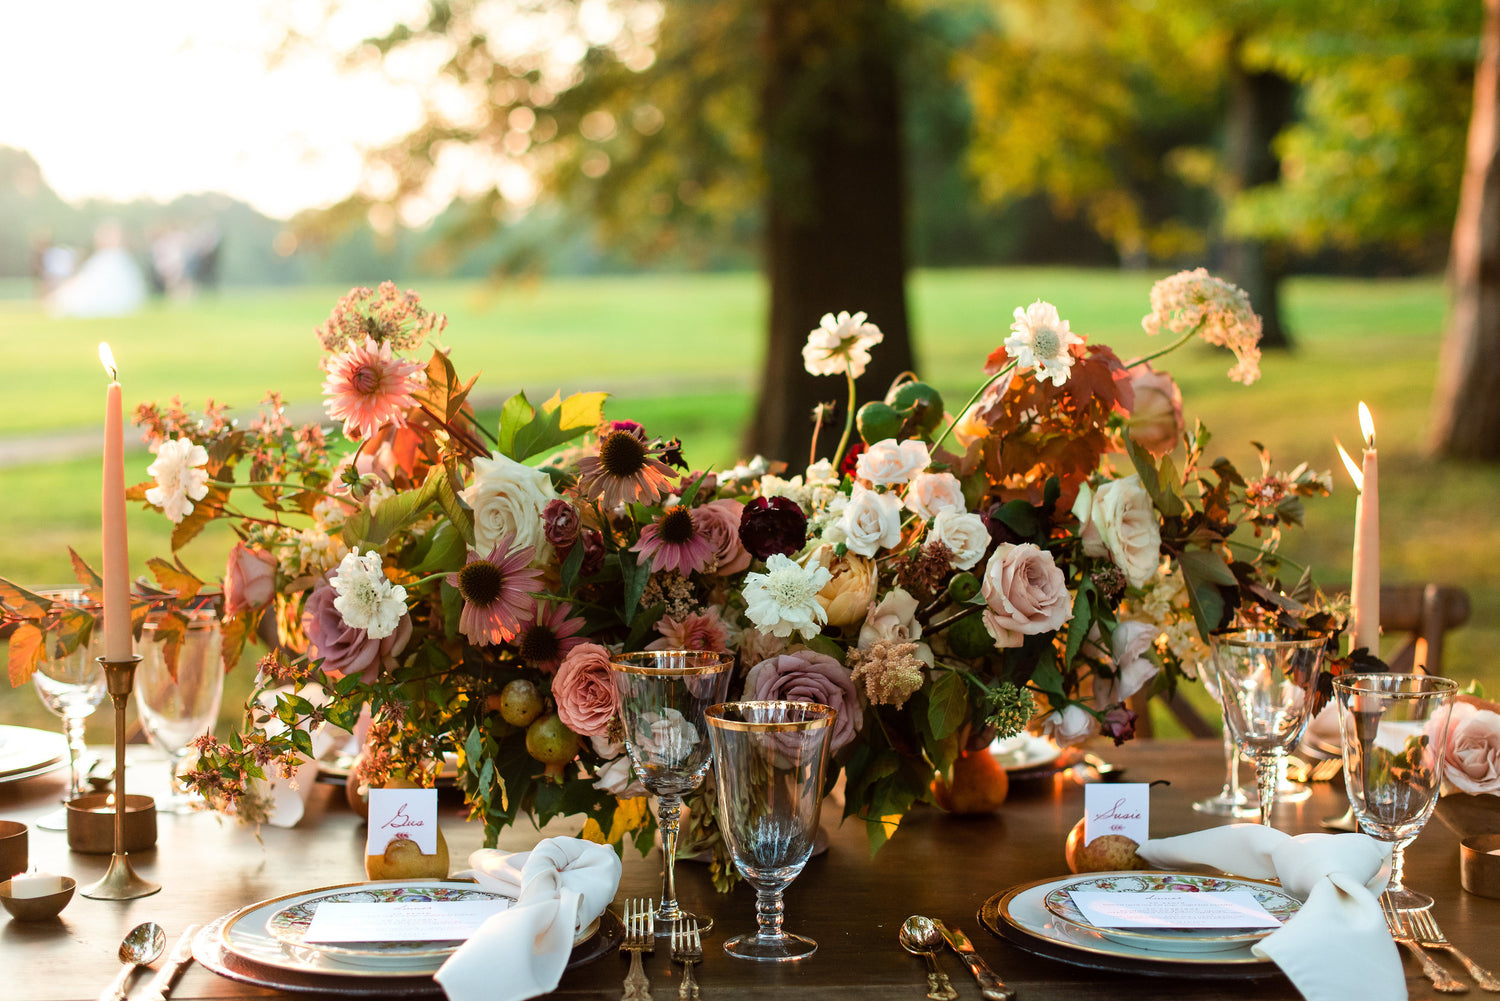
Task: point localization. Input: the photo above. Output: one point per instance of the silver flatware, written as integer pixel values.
(920, 937)
(141, 947)
(640, 936)
(687, 949)
(1425, 930)
(181, 955)
(1441, 978)
(991, 987)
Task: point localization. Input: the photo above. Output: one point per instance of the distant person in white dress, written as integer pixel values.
(109, 283)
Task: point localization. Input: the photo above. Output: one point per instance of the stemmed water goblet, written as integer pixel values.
(1394, 728)
(1267, 684)
(1232, 800)
(769, 759)
(176, 710)
(663, 695)
(72, 687)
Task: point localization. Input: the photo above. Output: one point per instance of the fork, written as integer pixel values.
(640, 936)
(687, 949)
(1441, 978)
(1426, 931)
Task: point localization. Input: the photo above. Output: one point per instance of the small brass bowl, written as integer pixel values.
(1478, 870)
(37, 908)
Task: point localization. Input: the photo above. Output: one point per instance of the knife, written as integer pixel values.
(182, 955)
(990, 986)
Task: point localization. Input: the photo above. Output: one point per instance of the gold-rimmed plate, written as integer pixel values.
(25, 752)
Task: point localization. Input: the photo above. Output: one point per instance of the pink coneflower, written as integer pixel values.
(625, 469)
(673, 542)
(696, 631)
(545, 642)
(368, 387)
(498, 593)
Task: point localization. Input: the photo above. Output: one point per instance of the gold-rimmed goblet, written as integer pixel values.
(663, 696)
(769, 759)
(1268, 682)
(1393, 728)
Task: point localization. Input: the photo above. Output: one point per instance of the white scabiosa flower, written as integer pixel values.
(1041, 340)
(840, 344)
(366, 599)
(179, 481)
(784, 599)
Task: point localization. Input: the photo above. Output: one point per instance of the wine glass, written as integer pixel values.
(176, 711)
(769, 759)
(1267, 684)
(72, 687)
(663, 694)
(1232, 800)
(1394, 728)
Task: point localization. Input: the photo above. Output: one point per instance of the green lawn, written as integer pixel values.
(681, 353)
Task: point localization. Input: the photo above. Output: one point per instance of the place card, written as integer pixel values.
(1173, 909)
(401, 920)
(402, 813)
(1122, 808)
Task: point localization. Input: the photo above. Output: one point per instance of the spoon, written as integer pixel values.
(142, 947)
(920, 937)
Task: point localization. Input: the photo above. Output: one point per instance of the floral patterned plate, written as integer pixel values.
(1281, 905)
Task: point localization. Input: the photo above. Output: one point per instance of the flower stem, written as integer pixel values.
(838, 456)
(1170, 347)
(955, 617)
(977, 394)
(303, 488)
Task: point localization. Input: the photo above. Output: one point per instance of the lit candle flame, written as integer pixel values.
(1367, 424)
(1355, 473)
(109, 800)
(108, 358)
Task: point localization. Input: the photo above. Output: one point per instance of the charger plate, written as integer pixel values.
(1019, 917)
(26, 752)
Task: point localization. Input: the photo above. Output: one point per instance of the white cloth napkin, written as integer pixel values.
(561, 886)
(1336, 946)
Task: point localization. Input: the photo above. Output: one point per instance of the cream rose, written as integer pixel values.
(963, 533)
(931, 493)
(1025, 591)
(1070, 725)
(870, 521)
(847, 595)
(889, 462)
(894, 620)
(508, 499)
(1133, 669)
(1471, 754)
(1126, 520)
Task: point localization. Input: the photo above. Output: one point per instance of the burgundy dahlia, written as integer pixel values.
(772, 525)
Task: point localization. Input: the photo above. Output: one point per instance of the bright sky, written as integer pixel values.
(123, 99)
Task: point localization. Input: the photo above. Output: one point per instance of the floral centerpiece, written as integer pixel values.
(1058, 544)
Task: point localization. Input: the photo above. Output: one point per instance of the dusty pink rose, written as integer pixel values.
(585, 691)
(1156, 420)
(719, 521)
(806, 676)
(1025, 591)
(1471, 754)
(344, 649)
(249, 579)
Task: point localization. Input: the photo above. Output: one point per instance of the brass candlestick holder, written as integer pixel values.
(120, 881)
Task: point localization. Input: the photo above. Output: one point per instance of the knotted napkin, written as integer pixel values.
(1336, 946)
(560, 886)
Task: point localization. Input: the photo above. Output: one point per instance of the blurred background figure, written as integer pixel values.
(109, 283)
(51, 263)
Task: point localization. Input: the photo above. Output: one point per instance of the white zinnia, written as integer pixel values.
(965, 535)
(785, 597)
(1041, 341)
(869, 522)
(931, 493)
(178, 480)
(840, 344)
(367, 600)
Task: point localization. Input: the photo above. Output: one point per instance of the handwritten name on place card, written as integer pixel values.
(403, 813)
(400, 920)
(1173, 909)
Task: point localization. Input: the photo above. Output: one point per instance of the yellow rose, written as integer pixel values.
(847, 595)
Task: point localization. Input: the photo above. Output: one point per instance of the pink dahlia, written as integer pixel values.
(675, 542)
(499, 593)
(368, 388)
(546, 641)
(695, 631)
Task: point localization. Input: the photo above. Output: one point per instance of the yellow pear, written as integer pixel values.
(404, 860)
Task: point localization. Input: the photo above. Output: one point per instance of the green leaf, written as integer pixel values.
(461, 517)
(356, 530)
(1082, 621)
(396, 512)
(633, 574)
(572, 564)
(947, 703)
(557, 421)
(1046, 676)
(445, 550)
(1204, 573)
(1020, 517)
(302, 740)
(515, 414)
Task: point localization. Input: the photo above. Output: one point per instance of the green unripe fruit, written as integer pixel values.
(549, 741)
(963, 586)
(520, 702)
(968, 638)
(921, 402)
(877, 421)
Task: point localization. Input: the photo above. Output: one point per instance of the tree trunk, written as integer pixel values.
(835, 214)
(1466, 422)
(1260, 106)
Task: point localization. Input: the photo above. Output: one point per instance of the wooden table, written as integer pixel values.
(851, 904)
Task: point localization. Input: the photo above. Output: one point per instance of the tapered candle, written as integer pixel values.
(1364, 620)
(116, 571)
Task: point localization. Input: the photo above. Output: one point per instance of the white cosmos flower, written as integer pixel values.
(179, 481)
(840, 344)
(366, 599)
(1041, 340)
(785, 597)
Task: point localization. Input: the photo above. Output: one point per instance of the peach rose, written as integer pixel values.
(1471, 754)
(847, 595)
(1156, 420)
(1025, 591)
(719, 522)
(931, 493)
(249, 579)
(585, 691)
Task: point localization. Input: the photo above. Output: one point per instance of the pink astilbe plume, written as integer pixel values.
(369, 388)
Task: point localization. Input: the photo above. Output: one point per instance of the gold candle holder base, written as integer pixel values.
(120, 881)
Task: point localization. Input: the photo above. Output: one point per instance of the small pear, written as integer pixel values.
(404, 860)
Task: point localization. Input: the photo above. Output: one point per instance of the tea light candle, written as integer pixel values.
(91, 824)
(35, 884)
